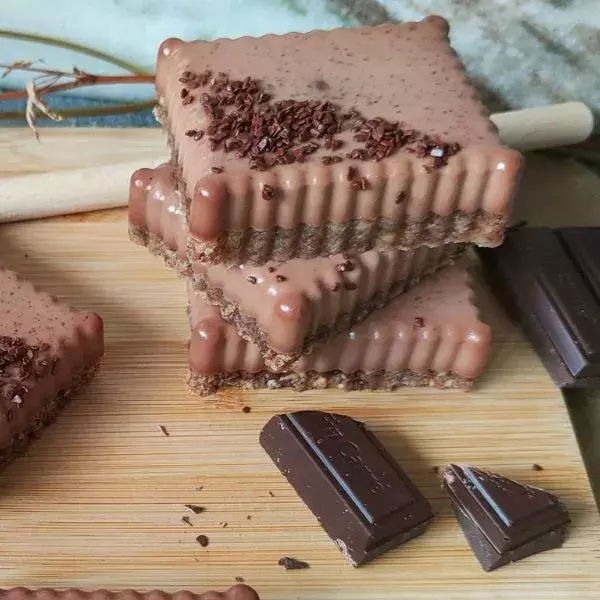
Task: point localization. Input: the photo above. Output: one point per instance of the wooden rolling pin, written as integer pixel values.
(79, 190)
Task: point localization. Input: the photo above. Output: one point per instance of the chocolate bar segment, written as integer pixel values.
(237, 592)
(550, 279)
(391, 148)
(503, 520)
(430, 335)
(359, 494)
(48, 350)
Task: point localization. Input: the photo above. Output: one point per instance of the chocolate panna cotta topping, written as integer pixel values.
(243, 118)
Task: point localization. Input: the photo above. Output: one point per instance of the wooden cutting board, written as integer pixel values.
(99, 500)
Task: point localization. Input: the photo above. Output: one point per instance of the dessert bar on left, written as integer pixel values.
(47, 351)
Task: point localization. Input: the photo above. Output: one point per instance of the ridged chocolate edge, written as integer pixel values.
(256, 247)
(22, 440)
(248, 329)
(205, 385)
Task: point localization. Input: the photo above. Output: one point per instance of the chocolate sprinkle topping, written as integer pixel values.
(268, 193)
(419, 321)
(239, 579)
(280, 278)
(360, 183)
(346, 266)
(291, 564)
(20, 361)
(202, 540)
(400, 197)
(245, 119)
(217, 169)
(251, 279)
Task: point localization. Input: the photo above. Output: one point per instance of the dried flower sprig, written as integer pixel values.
(49, 81)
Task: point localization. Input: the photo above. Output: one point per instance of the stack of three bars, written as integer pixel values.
(314, 179)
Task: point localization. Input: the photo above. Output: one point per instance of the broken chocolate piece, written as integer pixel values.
(202, 540)
(195, 508)
(503, 520)
(292, 564)
(359, 494)
(551, 281)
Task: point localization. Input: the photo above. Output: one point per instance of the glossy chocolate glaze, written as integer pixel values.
(292, 300)
(74, 339)
(400, 72)
(433, 326)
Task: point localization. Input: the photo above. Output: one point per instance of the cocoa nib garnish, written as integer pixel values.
(239, 579)
(251, 279)
(291, 564)
(400, 197)
(419, 321)
(195, 508)
(280, 278)
(268, 192)
(217, 169)
(360, 183)
(266, 131)
(202, 540)
(347, 265)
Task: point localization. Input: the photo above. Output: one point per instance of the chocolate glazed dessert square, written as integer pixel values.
(314, 144)
(284, 308)
(504, 521)
(47, 351)
(359, 494)
(429, 336)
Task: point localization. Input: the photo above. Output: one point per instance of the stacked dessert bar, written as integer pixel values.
(319, 188)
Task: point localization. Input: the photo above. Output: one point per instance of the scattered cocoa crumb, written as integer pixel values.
(217, 169)
(537, 467)
(435, 469)
(185, 519)
(280, 278)
(400, 197)
(351, 173)
(223, 525)
(360, 183)
(271, 494)
(419, 321)
(164, 430)
(246, 409)
(239, 579)
(251, 279)
(199, 487)
(291, 564)
(344, 267)
(268, 193)
(248, 517)
(202, 540)
(195, 508)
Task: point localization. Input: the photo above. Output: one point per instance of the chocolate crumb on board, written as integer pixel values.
(202, 540)
(195, 508)
(240, 579)
(292, 564)
(164, 430)
(537, 467)
(435, 469)
(185, 519)
(419, 321)
(246, 409)
(271, 494)
(346, 266)
(248, 517)
(199, 487)
(223, 525)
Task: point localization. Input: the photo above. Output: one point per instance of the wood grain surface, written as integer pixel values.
(99, 499)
